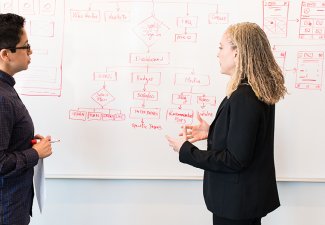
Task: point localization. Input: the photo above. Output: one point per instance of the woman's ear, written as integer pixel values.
(236, 56)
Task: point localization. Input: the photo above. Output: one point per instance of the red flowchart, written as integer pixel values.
(153, 53)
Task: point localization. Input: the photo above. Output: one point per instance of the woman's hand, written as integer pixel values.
(176, 143)
(197, 132)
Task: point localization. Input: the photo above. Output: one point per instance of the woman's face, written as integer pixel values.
(227, 56)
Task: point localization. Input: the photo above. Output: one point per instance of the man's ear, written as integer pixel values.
(4, 55)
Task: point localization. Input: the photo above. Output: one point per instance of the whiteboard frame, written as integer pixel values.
(191, 178)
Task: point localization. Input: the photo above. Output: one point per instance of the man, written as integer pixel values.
(17, 155)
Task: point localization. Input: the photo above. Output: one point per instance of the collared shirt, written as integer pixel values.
(17, 157)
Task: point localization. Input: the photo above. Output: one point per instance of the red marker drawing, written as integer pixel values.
(35, 141)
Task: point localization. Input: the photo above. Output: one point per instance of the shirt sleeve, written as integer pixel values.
(12, 161)
(244, 116)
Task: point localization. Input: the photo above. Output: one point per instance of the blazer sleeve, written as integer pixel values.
(243, 116)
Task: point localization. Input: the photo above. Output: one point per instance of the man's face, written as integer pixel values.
(20, 59)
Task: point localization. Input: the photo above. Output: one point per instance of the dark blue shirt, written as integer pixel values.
(17, 157)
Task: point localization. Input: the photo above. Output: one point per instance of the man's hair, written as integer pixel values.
(256, 63)
(10, 30)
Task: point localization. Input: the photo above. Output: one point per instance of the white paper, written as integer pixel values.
(39, 184)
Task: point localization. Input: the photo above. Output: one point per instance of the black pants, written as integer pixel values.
(223, 221)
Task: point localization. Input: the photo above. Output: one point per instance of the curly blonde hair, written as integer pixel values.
(255, 63)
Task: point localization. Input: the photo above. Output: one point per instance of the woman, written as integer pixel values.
(239, 174)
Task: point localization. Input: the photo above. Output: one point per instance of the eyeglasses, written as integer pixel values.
(27, 47)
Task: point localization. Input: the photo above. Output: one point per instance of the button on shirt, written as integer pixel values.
(17, 157)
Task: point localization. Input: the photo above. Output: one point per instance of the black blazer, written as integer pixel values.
(239, 177)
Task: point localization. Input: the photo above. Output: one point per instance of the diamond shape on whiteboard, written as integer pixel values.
(151, 30)
(102, 97)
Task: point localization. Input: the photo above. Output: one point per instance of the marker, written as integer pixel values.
(35, 141)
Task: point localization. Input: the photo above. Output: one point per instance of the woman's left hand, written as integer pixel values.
(176, 143)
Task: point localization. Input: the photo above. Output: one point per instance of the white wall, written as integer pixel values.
(162, 202)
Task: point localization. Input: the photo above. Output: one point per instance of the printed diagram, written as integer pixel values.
(153, 74)
(44, 76)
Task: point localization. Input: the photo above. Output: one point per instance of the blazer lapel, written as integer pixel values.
(222, 104)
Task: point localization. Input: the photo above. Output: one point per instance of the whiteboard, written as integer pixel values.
(112, 78)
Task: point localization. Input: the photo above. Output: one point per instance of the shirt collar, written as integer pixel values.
(7, 78)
